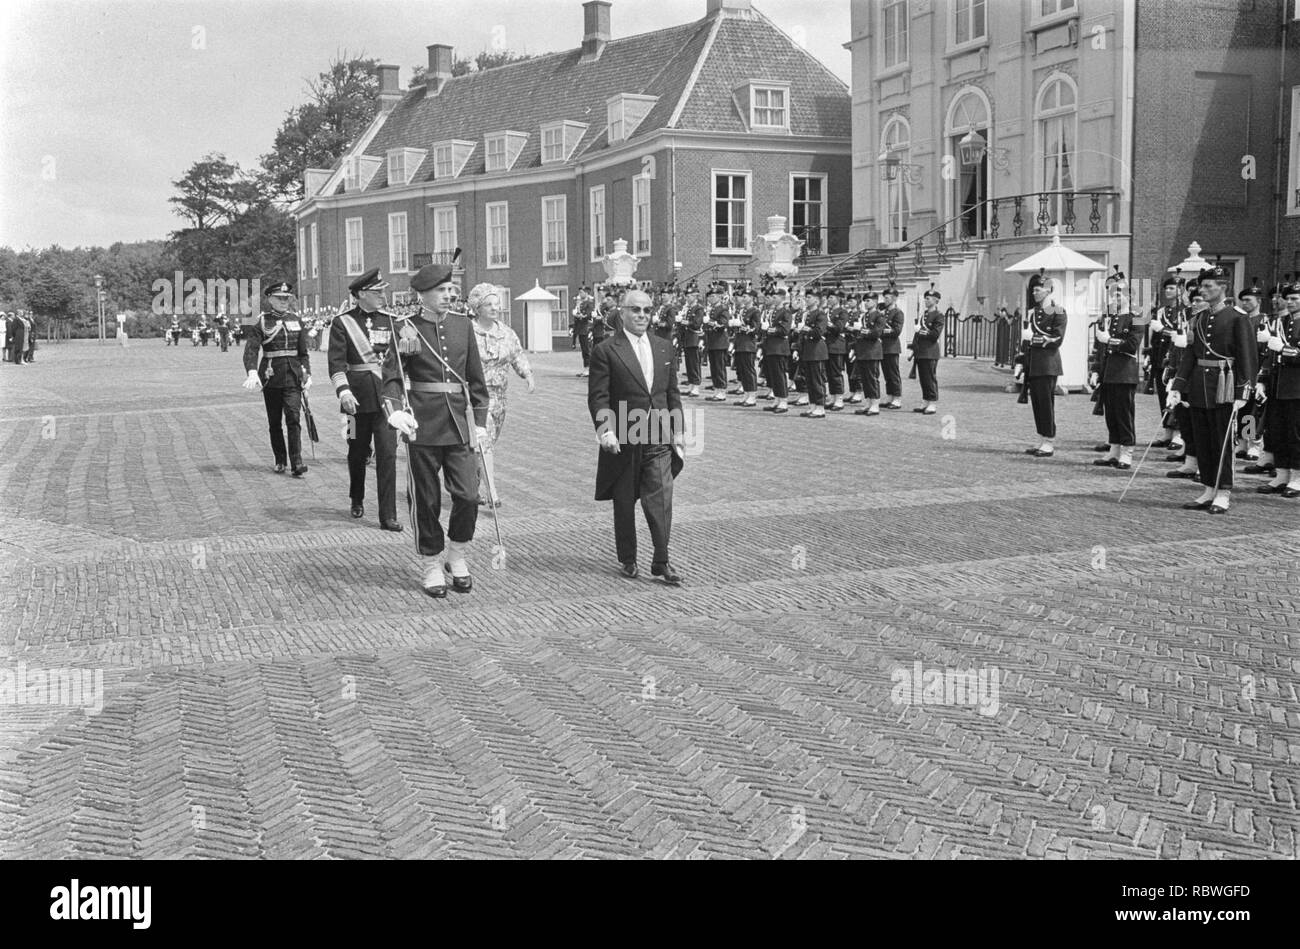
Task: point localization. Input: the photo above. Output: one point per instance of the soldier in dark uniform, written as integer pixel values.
(1279, 388)
(602, 323)
(1114, 367)
(691, 337)
(1178, 341)
(580, 328)
(223, 331)
(925, 351)
(359, 341)
(1043, 335)
(1162, 327)
(868, 350)
(837, 348)
(1250, 421)
(749, 318)
(813, 354)
(716, 343)
(434, 393)
(282, 371)
(891, 347)
(1217, 371)
(776, 354)
(1265, 463)
(664, 324)
(172, 336)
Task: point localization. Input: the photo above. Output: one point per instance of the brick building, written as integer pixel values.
(1136, 126)
(680, 141)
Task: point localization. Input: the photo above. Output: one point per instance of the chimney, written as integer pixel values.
(439, 69)
(389, 93)
(742, 8)
(595, 29)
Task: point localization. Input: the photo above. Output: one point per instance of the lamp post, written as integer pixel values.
(99, 304)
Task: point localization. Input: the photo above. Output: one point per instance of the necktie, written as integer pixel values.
(647, 365)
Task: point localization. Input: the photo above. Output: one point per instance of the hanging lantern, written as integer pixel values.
(971, 149)
(889, 165)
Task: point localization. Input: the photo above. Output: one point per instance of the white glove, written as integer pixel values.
(1174, 398)
(1275, 344)
(609, 442)
(252, 383)
(482, 435)
(1156, 324)
(532, 384)
(1260, 394)
(306, 383)
(1102, 336)
(1180, 340)
(1238, 404)
(1263, 336)
(348, 402)
(1026, 334)
(404, 422)
(1093, 379)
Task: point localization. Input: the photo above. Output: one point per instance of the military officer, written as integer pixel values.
(776, 354)
(837, 348)
(281, 372)
(1216, 372)
(868, 349)
(1250, 422)
(359, 340)
(1042, 334)
(1163, 325)
(748, 330)
(1279, 387)
(716, 343)
(891, 347)
(1114, 367)
(925, 351)
(691, 337)
(434, 393)
(580, 328)
(813, 355)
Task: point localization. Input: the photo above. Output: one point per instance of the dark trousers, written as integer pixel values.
(1162, 397)
(1042, 398)
(1118, 403)
(718, 368)
(225, 341)
(693, 365)
(424, 496)
(927, 370)
(368, 426)
(774, 372)
(1183, 419)
(654, 470)
(286, 404)
(835, 373)
(893, 379)
(1284, 434)
(869, 377)
(815, 374)
(746, 371)
(584, 343)
(1249, 418)
(1210, 430)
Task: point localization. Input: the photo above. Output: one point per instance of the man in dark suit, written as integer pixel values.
(637, 409)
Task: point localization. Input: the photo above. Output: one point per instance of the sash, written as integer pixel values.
(362, 345)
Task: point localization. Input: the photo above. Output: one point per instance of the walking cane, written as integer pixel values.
(1164, 420)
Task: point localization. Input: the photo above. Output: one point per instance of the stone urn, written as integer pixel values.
(620, 266)
(775, 252)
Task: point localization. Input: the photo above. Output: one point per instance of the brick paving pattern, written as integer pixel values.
(275, 685)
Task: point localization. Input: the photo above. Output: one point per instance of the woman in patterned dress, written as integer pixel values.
(500, 351)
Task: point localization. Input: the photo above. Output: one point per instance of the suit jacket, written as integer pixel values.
(272, 334)
(365, 384)
(442, 416)
(1043, 357)
(616, 397)
(1116, 361)
(1214, 337)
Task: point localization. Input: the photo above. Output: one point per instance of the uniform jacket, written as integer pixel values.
(891, 339)
(746, 338)
(925, 341)
(1214, 337)
(869, 345)
(1043, 357)
(1280, 373)
(837, 343)
(693, 328)
(1116, 361)
(604, 322)
(271, 333)
(812, 341)
(617, 385)
(776, 340)
(348, 331)
(441, 415)
(715, 332)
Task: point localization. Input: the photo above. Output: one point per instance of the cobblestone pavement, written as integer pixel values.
(274, 684)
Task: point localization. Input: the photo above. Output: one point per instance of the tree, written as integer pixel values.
(50, 292)
(343, 101)
(484, 60)
(212, 192)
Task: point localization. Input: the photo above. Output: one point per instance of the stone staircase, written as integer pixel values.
(857, 272)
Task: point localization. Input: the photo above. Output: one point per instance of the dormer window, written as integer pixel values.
(358, 170)
(560, 139)
(502, 148)
(769, 107)
(402, 165)
(624, 113)
(449, 158)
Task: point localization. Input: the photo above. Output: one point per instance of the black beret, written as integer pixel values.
(430, 276)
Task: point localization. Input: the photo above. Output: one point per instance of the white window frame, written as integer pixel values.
(1293, 167)
(642, 219)
(1060, 12)
(399, 263)
(488, 143)
(352, 174)
(438, 151)
(557, 131)
(599, 241)
(488, 208)
(754, 107)
(562, 225)
(903, 186)
(561, 311)
(503, 294)
(825, 204)
(714, 175)
(398, 179)
(302, 254)
(358, 267)
(315, 250)
(613, 122)
(885, 39)
(439, 210)
(971, 42)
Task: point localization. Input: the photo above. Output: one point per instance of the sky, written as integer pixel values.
(105, 103)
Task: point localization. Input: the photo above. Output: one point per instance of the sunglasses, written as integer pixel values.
(640, 309)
